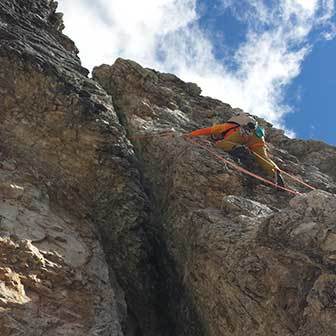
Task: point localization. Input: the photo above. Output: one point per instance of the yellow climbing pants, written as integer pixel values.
(255, 145)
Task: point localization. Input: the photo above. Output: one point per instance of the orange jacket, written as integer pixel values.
(227, 128)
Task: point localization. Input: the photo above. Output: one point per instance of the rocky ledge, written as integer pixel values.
(112, 223)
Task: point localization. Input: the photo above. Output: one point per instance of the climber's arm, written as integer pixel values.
(207, 131)
(202, 131)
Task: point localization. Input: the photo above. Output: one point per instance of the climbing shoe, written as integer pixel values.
(279, 180)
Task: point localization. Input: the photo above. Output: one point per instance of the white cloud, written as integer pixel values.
(165, 34)
(104, 29)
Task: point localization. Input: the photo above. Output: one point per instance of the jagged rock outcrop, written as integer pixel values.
(249, 262)
(108, 230)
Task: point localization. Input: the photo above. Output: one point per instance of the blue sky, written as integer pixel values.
(312, 95)
(273, 58)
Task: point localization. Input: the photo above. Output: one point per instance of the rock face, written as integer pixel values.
(62, 131)
(53, 273)
(251, 260)
(107, 230)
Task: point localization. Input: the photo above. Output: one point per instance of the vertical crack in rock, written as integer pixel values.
(62, 131)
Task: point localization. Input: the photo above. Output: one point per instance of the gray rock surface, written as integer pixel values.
(112, 223)
(54, 279)
(251, 260)
(62, 129)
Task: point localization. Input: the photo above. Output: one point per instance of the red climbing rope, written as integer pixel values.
(243, 170)
(284, 172)
(281, 170)
(297, 179)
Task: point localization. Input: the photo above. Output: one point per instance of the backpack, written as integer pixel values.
(247, 125)
(243, 120)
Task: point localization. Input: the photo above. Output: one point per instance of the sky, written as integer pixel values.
(272, 58)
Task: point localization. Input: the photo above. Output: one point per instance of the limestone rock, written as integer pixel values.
(250, 259)
(49, 282)
(112, 223)
(61, 129)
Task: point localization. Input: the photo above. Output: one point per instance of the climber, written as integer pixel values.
(239, 134)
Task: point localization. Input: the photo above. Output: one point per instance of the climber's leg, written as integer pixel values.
(264, 161)
(258, 147)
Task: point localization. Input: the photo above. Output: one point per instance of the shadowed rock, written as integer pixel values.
(63, 132)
